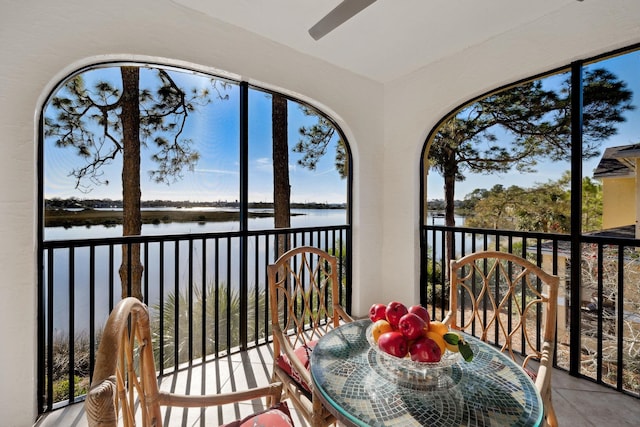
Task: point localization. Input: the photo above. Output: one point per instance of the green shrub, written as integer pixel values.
(221, 309)
(61, 388)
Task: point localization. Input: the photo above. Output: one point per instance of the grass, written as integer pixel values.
(61, 359)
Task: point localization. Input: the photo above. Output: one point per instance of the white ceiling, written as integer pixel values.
(390, 38)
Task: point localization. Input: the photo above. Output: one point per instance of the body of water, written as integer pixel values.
(222, 261)
(301, 218)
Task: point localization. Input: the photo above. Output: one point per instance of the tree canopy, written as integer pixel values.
(122, 116)
(544, 207)
(314, 141)
(533, 122)
(89, 119)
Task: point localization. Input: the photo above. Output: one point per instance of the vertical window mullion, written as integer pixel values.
(244, 208)
(576, 210)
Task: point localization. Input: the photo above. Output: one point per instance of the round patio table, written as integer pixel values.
(358, 387)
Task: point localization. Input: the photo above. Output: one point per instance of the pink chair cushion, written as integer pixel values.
(276, 416)
(533, 375)
(303, 354)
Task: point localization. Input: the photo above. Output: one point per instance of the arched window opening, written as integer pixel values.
(546, 169)
(176, 187)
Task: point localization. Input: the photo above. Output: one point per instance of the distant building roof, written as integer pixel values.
(628, 151)
(625, 231)
(617, 161)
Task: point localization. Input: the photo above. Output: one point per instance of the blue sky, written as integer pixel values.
(627, 68)
(214, 130)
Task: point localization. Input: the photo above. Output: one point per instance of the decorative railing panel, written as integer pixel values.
(604, 287)
(207, 295)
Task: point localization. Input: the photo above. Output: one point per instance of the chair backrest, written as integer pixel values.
(124, 388)
(505, 300)
(304, 294)
(126, 350)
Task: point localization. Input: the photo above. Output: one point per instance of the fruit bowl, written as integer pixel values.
(405, 369)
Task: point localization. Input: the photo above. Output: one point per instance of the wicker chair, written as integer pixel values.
(124, 390)
(510, 302)
(304, 302)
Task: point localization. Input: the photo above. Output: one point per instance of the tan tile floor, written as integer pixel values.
(577, 402)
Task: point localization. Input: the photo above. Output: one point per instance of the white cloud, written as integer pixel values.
(264, 163)
(217, 171)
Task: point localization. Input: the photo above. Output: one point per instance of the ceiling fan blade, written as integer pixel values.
(342, 12)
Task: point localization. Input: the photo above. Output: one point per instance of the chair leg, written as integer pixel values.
(270, 399)
(550, 415)
(317, 419)
(550, 418)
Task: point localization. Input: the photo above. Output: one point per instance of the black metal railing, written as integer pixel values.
(207, 295)
(600, 339)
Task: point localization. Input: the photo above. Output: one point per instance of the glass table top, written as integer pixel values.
(359, 387)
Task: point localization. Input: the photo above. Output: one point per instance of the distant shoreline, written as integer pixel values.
(73, 203)
(89, 217)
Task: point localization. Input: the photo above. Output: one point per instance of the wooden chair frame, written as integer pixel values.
(124, 378)
(520, 294)
(303, 295)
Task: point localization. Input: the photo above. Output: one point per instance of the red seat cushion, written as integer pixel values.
(276, 416)
(303, 354)
(533, 375)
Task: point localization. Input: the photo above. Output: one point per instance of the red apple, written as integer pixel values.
(377, 312)
(393, 343)
(411, 325)
(425, 350)
(422, 312)
(394, 311)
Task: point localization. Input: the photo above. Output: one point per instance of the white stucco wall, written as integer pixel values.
(415, 103)
(42, 41)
